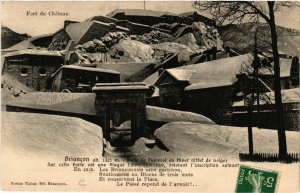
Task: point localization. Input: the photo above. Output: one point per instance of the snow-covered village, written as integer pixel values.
(154, 84)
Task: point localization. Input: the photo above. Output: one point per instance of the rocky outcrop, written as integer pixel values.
(207, 36)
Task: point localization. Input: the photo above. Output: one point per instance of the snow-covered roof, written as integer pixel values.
(78, 103)
(27, 43)
(120, 86)
(127, 69)
(34, 52)
(140, 12)
(102, 18)
(214, 73)
(180, 75)
(204, 85)
(89, 69)
(218, 73)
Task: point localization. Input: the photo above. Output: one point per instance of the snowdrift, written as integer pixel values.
(168, 115)
(191, 139)
(49, 136)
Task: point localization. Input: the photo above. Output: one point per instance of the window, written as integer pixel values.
(24, 71)
(42, 71)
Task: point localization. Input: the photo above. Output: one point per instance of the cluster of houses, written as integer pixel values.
(214, 83)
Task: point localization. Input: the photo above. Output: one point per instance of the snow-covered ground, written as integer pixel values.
(169, 115)
(192, 139)
(31, 141)
(40, 135)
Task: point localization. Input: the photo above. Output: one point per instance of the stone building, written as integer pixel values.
(32, 67)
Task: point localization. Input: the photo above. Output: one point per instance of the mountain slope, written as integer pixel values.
(241, 38)
(10, 38)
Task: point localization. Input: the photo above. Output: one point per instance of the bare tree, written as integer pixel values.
(240, 11)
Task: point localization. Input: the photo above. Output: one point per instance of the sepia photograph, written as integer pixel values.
(150, 96)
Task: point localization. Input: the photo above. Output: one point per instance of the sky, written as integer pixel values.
(14, 14)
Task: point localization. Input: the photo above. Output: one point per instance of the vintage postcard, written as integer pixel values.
(150, 96)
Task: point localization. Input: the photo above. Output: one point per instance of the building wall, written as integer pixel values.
(34, 64)
(171, 94)
(215, 103)
(70, 78)
(56, 82)
(267, 117)
(141, 75)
